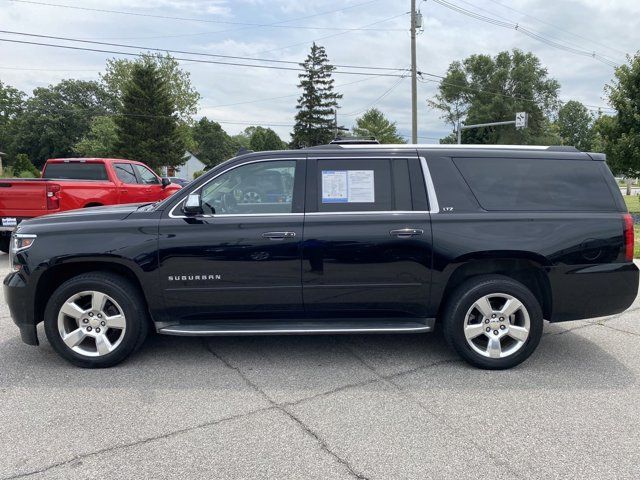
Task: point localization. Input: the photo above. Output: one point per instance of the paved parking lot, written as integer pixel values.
(365, 407)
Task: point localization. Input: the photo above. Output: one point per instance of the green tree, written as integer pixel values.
(621, 132)
(483, 89)
(263, 139)
(213, 144)
(55, 118)
(575, 125)
(11, 105)
(100, 141)
(23, 167)
(146, 124)
(317, 103)
(374, 123)
(183, 95)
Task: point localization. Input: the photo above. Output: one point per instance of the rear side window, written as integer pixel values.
(521, 184)
(76, 171)
(357, 185)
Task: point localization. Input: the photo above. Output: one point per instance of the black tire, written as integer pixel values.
(461, 301)
(5, 242)
(127, 297)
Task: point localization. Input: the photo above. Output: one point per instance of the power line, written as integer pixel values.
(330, 36)
(386, 92)
(183, 52)
(550, 36)
(525, 31)
(282, 96)
(203, 20)
(195, 60)
(558, 28)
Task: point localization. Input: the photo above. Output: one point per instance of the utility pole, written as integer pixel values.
(414, 84)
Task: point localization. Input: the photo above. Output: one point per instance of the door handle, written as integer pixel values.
(278, 235)
(406, 232)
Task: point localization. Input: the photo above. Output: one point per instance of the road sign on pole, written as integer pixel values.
(522, 119)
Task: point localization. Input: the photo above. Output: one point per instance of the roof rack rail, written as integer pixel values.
(562, 148)
(354, 141)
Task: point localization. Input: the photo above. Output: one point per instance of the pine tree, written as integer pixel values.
(147, 126)
(318, 102)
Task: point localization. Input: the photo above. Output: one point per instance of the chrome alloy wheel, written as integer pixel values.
(91, 323)
(497, 325)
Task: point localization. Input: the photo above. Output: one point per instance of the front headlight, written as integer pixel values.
(19, 243)
(22, 241)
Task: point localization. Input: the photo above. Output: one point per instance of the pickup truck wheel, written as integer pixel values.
(493, 322)
(5, 242)
(96, 320)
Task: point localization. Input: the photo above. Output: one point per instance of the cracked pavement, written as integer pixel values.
(358, 406)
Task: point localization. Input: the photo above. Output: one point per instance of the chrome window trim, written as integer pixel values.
(273, 159)
(369, 212)
(431, 189)
(433, 201)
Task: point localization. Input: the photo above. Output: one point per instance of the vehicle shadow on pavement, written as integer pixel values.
(308, 364)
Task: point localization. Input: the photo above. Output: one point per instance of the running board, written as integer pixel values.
(302, 327)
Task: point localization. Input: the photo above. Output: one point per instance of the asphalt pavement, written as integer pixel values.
(325, 407)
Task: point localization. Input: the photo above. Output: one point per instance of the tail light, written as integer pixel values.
(53, 197)
(628, 237)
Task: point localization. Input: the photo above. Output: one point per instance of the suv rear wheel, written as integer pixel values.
(96, 320)
(493, 322)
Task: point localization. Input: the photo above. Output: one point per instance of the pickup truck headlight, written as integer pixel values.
(19, 243)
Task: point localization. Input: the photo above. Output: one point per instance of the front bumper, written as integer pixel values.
(592, 291)
(17, 295)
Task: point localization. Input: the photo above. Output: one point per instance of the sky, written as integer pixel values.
(372, 33)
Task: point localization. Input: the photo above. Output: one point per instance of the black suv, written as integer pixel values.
(483, 242)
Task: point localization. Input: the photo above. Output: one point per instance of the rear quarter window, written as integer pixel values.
(521, 184)
(76, 171)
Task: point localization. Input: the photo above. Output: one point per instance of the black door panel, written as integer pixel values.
(222, 265)
(242, 257)
(367, 258)
(352, 262)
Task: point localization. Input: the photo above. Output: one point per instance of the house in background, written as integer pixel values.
(185, 171)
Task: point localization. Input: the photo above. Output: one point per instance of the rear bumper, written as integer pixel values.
(593, 291)
(18, 298)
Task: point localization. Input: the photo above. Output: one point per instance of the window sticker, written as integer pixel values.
(360, 186)
(334, 186)
(348, 186)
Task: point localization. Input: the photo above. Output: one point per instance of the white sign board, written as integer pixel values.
(348, 186)
(360, 186)
(334, 186)
(522, 119)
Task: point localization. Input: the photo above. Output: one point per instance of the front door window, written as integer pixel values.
(255, 188)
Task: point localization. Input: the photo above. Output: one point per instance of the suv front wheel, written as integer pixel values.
(493, 322)
(96, 320)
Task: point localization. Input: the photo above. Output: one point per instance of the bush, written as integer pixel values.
(23, 164)
(197, 174)
(7, 172)
(26, 174)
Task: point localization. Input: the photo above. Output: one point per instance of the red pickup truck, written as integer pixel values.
(70, 183)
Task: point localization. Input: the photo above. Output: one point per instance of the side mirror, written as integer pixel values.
(192, 206)
(165, 182)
